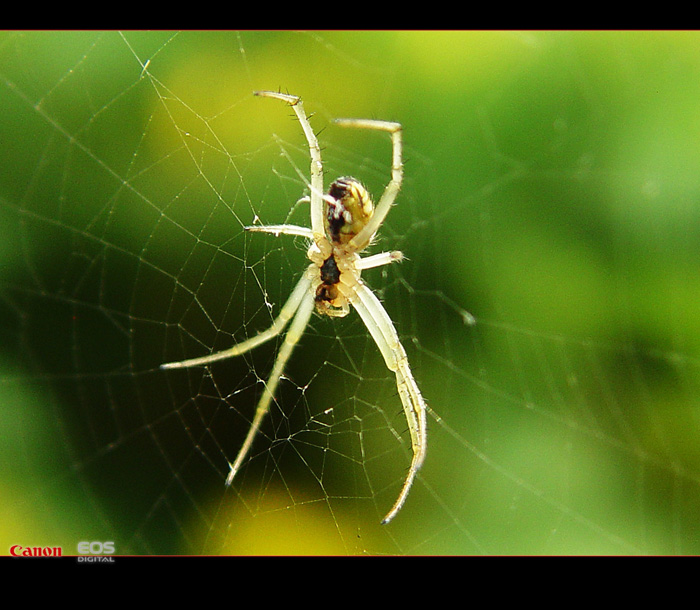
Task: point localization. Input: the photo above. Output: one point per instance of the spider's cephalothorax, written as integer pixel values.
(328, 300)
(348, 208)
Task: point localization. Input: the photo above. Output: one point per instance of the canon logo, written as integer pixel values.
(17, 550)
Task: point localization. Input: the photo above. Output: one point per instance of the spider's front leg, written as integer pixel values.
(296, 330)
(287, 312)
(382, 329)
(298, 308)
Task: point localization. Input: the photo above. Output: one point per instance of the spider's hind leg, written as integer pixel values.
(316, 166)
(363, 238)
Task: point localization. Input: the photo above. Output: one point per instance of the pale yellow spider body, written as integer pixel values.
(343, 223)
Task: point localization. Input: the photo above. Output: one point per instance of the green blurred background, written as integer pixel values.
(551, 190)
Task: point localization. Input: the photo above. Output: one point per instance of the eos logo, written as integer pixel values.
(96, 548)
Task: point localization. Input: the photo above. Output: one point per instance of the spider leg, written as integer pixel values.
(277, 230)
(382, 329)
(301, 319)
(316, 206)
(286, 313)
(377, 260)
(363, 238)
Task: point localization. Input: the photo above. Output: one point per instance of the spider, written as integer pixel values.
(344, 222)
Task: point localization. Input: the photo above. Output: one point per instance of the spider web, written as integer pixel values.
(550, 191)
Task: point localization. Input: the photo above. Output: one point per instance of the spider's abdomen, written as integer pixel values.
(348, 208)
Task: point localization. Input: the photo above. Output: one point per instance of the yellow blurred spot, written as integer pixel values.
(453, 57)
(299, 529)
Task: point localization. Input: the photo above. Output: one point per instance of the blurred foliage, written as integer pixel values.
(551, 189)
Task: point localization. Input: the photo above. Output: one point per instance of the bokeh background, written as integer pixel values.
(552, 191)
